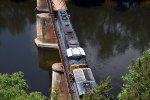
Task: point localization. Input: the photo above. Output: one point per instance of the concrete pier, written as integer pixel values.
(45, 31)
(59, 83)
(44, 27)
(42, 5)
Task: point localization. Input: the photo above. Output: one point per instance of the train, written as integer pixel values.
(80, 78)
(75, 56)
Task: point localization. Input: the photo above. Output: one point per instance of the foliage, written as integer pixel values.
(14, 87)
(100, 92)
(137, 86)
(55, 94)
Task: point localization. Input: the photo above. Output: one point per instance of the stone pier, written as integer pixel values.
(59, 83)
(44, 27)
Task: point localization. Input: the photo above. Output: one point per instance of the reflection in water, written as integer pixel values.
(17, 48)
(109, 28)
(14, 15)
(47, 57)
(112, 38)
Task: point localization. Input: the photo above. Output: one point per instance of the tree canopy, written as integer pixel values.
(14, 87)
(137, 86)
(101, 91)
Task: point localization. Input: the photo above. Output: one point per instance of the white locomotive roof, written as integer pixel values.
(69, 53)
(75, 52)
(81, 51)
(84, 80)
(79, 75)
(83, 74)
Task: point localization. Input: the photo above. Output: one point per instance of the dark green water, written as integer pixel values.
(17, 49)
(111, 36)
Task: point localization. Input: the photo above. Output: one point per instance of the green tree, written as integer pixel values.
(14, 87)
(137, 86)
(55, 94)
(101, 91)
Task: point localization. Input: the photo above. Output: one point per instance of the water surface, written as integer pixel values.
(18, 51)
(112, 37)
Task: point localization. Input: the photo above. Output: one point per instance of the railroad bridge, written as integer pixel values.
(54, 30)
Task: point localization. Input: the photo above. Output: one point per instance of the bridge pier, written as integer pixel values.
(59, 83)
(44, 27)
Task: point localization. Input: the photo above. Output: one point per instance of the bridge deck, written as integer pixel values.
(57, 21)
(59, 4)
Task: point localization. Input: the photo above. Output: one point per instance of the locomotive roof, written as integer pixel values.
(84, 80)
(83, 74)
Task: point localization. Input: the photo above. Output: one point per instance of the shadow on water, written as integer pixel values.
(111, 38)
(47, 57)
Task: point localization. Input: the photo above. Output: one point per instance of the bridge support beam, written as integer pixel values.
(45, 31)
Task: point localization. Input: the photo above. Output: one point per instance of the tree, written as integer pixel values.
(13, 87)
(137, 86)
(100, 92)
(55, 94)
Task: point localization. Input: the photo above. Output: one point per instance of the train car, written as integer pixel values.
(74, 53)
(84, 81)
(69, 34)
(76, 58)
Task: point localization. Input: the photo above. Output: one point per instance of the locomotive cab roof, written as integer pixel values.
(85, 81)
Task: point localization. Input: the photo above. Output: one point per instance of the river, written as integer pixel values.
(111, 35)
(18, 51)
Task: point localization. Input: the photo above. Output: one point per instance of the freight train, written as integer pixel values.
(75, 56)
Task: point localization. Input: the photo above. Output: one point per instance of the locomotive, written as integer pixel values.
(75, 56)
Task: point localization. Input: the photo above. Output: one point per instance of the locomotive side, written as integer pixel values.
(75, 56)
